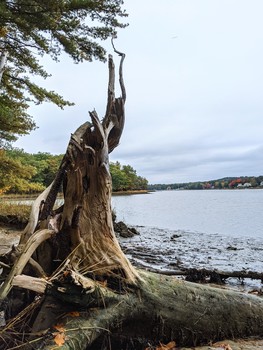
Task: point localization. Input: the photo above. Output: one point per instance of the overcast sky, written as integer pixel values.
(194, 79)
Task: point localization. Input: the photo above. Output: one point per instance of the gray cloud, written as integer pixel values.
(194, 79)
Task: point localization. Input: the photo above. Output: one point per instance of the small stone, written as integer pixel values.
(133, 230)
(175, 236)
(122, 229)
(231, 248)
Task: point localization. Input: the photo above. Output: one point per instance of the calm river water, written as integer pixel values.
(212, 229)
(227, 212)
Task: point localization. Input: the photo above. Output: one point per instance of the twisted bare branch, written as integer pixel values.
(121, 81)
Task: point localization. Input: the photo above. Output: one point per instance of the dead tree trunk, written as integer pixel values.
(71, 257)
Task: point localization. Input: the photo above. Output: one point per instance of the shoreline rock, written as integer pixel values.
(121, 229)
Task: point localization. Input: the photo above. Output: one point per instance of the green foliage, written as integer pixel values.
(44, 165)
(23, 173)
(125, 178)
(15, 175)
(30, 29)
(119, 178)
(13, 118)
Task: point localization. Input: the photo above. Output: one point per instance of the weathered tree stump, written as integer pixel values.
(84, 287)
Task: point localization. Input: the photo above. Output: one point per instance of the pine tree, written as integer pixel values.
(30, 29)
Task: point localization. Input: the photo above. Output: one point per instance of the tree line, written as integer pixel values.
(224, 183)
(25, 173)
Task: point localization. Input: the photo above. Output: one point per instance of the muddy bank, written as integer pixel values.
(168, 250)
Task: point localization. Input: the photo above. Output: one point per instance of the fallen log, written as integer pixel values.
(209, 276)
(159, 309)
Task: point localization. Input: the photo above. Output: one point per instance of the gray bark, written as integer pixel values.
(3, 59)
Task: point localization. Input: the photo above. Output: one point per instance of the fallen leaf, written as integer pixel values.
(169, 346)
(103, 283)
(59, 339)
(73, 314)
(59, 327)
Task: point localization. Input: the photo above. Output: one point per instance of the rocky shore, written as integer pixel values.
(167, 251)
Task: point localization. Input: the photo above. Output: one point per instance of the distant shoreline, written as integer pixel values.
(127, 193)
(60, 195)
(124, 193)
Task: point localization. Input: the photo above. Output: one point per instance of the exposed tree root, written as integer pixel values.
(29, 248)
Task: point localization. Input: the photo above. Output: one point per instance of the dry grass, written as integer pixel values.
(14, 213)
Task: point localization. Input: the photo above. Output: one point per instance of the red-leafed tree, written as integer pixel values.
(234, 183)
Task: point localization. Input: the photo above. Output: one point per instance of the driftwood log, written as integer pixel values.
(82, 291)
(210, 276)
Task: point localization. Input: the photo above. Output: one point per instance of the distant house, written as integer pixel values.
(261, 183)
(247, 184)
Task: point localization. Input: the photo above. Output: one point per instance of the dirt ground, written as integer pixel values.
(10, 236)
